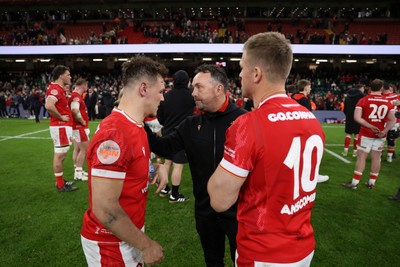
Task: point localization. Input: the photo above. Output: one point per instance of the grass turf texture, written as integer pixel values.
(40, 227)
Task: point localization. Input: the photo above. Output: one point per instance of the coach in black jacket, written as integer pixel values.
(202, 137)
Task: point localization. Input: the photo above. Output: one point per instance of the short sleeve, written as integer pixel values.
(239, 149)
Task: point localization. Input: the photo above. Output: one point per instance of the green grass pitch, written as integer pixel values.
(40, 227)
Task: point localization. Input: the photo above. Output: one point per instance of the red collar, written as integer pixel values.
(225, 105)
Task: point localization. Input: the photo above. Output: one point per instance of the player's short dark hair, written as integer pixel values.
(291, 89)
(359, 86)
(137, 67)
(58, 71)
(217, 73)
(376, 85)
(302, 84)
(394, 87)
(80, 81)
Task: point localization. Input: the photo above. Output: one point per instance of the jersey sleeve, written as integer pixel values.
(53, 93)
(109, 155)
(239, 153)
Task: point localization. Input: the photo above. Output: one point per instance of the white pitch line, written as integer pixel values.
(333, 144)
(25, 137)
(337, 156)
(22, 135)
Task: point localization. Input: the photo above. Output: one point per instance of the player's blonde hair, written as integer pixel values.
(272, 52)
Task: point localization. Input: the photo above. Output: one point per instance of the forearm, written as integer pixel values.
(164, 146)
(54, 112)
(118, 222)
(363, 123)
(389, 125)
(78, 116)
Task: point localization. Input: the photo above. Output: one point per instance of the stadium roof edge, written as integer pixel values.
(192, 48)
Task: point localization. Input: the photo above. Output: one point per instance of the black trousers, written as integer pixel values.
(36, 111)
(212, 232)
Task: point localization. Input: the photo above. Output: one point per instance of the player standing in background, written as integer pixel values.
(178, 104)
(304, 89)
(351, 126)
(119, 163)
(375, 114)
(271, 162)
(80, 128)
(60, 123)
(390, 92)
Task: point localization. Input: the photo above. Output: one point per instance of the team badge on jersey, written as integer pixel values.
(108, 152)
(54, 92)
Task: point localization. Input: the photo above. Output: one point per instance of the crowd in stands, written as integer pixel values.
(49, 29)
(328, 89)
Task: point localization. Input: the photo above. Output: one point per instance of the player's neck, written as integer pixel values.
(376, 93)
(133, 109)
(60, 83)
(272, 89)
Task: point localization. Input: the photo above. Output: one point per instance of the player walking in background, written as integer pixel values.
(178, 104)
(112, 233)
(375, 114)
(80, 128)
(390, 92)
(351, 126)
(60, 123)
(271, 162)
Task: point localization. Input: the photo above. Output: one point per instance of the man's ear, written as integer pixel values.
(143, 89)
(257, 75)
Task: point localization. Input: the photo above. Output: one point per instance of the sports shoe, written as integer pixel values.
(368, 185)
(389, 159)
(69, 183)
(354, 155)
(82, 177)
(178, 198)
(395, 197)
(344, 154)
(322, 178)
(164, 192)
(350, 186)
(66, 188)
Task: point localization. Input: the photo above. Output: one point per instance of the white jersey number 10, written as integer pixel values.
(294, 157)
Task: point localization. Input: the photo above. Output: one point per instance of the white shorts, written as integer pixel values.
(81, 135)
(367, 144)
(62, 138)
(302, 263)
(110, 254)
(154, 125)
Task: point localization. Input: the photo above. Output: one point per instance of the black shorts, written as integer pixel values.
(179, 157)
(352, 127)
